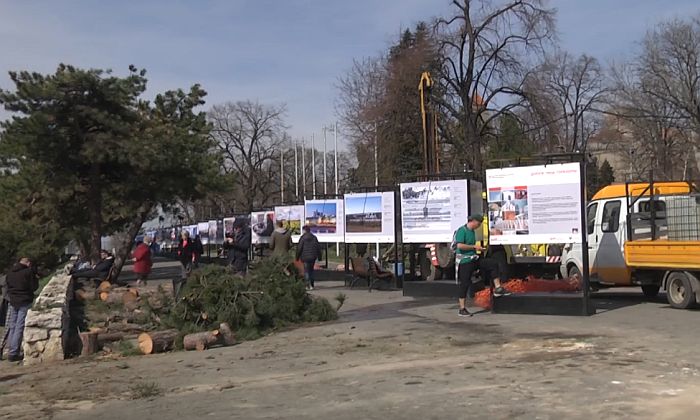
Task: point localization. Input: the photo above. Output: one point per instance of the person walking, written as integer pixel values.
(308, 251)
(22, 281)
(186, 255)
(143, 261)
(467, 262)
(237, 247)
(281, 241)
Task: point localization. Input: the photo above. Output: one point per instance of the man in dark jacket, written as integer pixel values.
(237, 247)
(22, 282)
(99, 271)
(308, 251)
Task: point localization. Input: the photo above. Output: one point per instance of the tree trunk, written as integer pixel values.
(124, 248)
(94, 204)
(157, 342)
(89, 340)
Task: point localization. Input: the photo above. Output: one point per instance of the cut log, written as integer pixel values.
(82, 295)
(104, 338)
(227, 335)
(157, 341)
(201, 341)
(104, 286)
(125, 327)
(122, 295)
(89, 340)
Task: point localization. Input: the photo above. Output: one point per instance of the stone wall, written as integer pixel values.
(46, 329)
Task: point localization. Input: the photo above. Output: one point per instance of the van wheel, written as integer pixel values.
(679, 291)
(651, 290)
(574, 271)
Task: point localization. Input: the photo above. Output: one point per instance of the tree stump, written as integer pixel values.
(89, 340)
(157, 341)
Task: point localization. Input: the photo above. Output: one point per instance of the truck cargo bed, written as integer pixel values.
(662, 254)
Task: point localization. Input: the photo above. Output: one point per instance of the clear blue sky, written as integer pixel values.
(274, 51)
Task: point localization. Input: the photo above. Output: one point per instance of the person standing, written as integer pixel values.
(468, 262)
(143, 261)
(238, 247)
(22, 282)
(186, 255)
(281, 241)
(308, 251)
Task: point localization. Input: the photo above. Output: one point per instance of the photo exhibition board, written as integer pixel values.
(326, 219)
(369, 217)
(203, 232)
(292, 218)
(535, 204)
(262, 224)
(431, 211)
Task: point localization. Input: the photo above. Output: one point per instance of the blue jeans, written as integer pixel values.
(15, 328)
(309, 272)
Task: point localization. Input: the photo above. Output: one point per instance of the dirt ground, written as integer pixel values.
(391, 357)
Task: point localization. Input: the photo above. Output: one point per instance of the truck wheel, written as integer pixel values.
(679, 291)
(651, 290)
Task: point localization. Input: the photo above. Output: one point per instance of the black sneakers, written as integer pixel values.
(500, 291)
(464, 312)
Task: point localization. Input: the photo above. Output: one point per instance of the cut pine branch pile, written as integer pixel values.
(530, 285)
(270, 296)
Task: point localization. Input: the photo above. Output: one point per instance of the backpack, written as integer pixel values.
(453, 244)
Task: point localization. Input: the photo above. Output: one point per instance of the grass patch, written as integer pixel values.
(143, 390)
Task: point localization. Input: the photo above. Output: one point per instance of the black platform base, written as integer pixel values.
(437, 288)
(544, 304)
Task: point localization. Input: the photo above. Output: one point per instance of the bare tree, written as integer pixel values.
(669, 66)
(484, 47)
(657, 101)
(648, 131)
(249, 136)
(575, 86)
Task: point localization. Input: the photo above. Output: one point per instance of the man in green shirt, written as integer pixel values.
(468, 261)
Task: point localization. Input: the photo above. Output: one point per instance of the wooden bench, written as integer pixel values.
(365, 268)
(359, 271)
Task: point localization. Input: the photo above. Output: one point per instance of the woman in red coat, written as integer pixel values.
(142, 261)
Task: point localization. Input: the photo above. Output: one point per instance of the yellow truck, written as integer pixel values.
(643, 234)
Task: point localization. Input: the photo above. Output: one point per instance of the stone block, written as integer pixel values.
(32, 334)
(53, 349)
(50, 318)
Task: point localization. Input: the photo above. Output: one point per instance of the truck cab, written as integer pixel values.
(617, 215)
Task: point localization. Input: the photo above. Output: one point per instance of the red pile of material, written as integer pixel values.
(529, 285)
